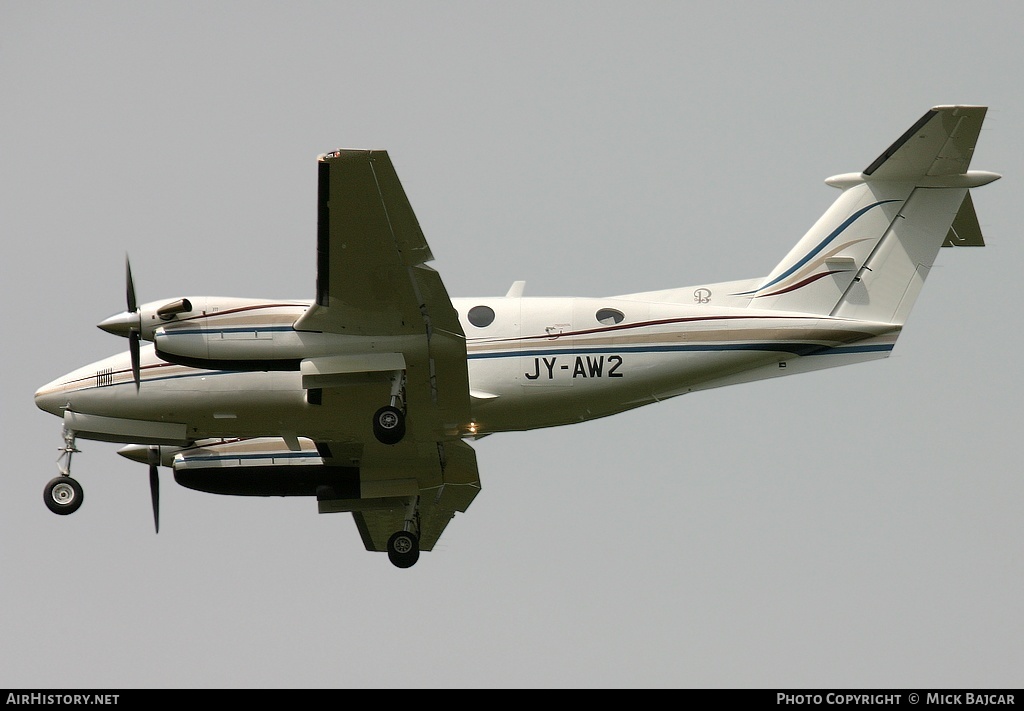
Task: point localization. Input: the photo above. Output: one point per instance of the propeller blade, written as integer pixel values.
(154, 484)
(133, 347)
(129, 286)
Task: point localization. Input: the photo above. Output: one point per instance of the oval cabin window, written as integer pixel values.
(609, 317)
(481, 316)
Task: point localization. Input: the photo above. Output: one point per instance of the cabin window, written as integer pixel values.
(609, 317)
(481, 316)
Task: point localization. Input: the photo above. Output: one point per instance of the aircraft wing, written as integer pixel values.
(376, 492)
(373, 283)
(372, 280)
(454, 491)
(372, 277)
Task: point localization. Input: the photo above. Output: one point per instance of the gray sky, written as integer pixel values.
(855, 527)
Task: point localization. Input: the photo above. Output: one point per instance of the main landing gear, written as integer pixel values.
(63, 495)
(403, 549)
(389, 421)
(404, 545)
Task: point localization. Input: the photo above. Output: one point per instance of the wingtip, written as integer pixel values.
(953, 107)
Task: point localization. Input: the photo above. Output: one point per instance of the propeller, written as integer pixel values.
(133, 343)
(148, 454)
(154, 483)
(133, 348)
(128, 323)
(133, 307)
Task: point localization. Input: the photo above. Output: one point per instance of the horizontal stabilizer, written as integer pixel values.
(940, 143)
(965, 230)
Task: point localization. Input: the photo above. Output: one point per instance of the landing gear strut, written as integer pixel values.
(63, 495)
(404, 545)
(389, 421)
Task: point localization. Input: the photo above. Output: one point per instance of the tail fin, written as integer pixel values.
(868, 255)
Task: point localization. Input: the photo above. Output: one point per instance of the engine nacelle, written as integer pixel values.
(258, 334)
(145, 319)
(229, 333)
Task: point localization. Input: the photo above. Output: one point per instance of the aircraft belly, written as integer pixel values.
(601, 385)
(217, 403)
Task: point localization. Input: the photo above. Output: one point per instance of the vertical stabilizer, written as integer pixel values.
(887, 285)
(816, 273)
(869, 254)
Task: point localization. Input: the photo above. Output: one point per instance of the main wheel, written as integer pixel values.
(403, 549)
(389, 425)
(63, 495)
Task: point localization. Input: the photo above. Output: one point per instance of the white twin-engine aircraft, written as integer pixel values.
(366, 397)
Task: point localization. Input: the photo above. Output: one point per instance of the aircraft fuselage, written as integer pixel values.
(533, 362)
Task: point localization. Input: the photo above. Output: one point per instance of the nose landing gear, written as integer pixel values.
(63, 495)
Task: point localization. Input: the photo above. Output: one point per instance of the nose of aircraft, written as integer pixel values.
(50, 398)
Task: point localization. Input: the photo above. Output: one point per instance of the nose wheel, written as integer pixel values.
(63, 495)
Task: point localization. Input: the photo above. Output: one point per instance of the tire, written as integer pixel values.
(63, 495)
(389, 425)
(403, 549)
